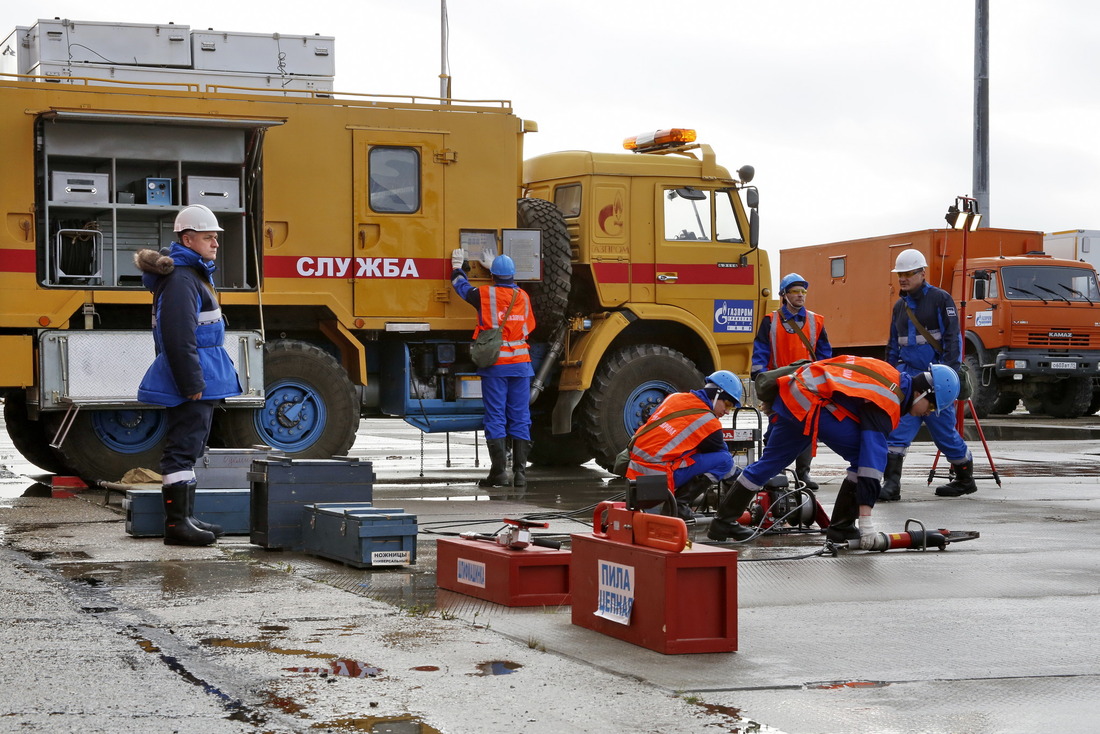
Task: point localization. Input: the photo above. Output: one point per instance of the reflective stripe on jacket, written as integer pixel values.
(787, 346)
(670, 445)
(811, 388)
(494, 303)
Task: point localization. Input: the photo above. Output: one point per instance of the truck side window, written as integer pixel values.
(687, 214)
(568, 200)
(394, 180)
(838, 267)
(726, 228)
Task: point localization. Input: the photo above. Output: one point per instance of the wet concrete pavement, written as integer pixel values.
(103, 632)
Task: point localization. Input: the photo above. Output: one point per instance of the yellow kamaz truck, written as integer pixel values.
(340, 213)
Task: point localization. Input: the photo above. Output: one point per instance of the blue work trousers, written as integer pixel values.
(507, 409)
(943, 431)
(188, 431)
(718, 464)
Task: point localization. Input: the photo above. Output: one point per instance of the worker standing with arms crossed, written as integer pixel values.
(506, 384)
(192, 372)
(683, 439)
(924, 331)
(852, 404)
(789, 334)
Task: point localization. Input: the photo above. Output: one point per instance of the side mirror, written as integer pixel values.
(754, 228)
(981, 289)
(752, 198)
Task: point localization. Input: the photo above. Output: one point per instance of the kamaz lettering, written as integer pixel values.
(365, 267)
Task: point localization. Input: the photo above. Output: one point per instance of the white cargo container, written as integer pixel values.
(1074, 244)
(273, 53)
(15, 52)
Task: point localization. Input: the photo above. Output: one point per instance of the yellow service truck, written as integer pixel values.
(340, 213)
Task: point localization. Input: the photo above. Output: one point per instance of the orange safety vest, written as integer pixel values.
(670, 445)
(810, 388)
(521, 321)
(787, 347)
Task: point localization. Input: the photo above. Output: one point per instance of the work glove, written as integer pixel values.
(457, 258)
(487, 258)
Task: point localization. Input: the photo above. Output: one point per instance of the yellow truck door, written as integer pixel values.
(398, 262)
(697, 263)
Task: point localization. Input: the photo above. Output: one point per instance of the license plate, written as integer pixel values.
(1063, 365)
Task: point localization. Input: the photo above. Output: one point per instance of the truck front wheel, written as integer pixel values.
(625, 391)
(984, 397)
(1068, 398)
(311, 410)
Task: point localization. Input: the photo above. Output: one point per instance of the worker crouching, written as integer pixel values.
(851, 404)
(683, 440)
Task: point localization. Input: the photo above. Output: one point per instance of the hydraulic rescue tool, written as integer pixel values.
(516, 536)
(917, 538)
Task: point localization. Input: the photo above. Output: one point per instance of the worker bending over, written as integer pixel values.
(683, 440)
(851, 404)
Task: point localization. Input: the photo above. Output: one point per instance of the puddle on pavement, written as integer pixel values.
(426, 668)
(342, 667)
(498, 667)
(1042, 469)
(835, 684)
(379, 725)
(265, 646)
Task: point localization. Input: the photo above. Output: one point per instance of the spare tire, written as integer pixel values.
(550, 296)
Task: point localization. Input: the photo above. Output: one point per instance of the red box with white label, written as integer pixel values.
(670, 602)
(534, 576)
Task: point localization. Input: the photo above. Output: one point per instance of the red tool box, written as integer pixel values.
(671, 602)
(530, 577)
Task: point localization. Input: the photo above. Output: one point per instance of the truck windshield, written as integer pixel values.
(1046, 283)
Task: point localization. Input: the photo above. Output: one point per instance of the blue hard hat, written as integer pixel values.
(503, 267)
(792, 279)
(728, 383)
(945, 386)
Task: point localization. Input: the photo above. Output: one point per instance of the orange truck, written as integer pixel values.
(340, 213)
(1032, 323)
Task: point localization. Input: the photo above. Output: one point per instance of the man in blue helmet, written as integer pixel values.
(789, 334)
(852, 404)
(505, 384)
(683, 439)
(924, 331)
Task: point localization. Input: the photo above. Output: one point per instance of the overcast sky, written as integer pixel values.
(857, 114)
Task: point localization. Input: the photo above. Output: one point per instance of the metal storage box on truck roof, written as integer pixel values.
(142, 44)
(15, 52)
(273, 53)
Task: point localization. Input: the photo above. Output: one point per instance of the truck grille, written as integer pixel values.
(1078, 340)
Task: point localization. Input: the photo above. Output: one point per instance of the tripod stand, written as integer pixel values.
(960, 410)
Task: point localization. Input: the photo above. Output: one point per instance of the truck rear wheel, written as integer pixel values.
(311, 410)
(549, 449)
(105, 444)
(1068, 398)
(30, 438)
(625, 391)
(550, 296)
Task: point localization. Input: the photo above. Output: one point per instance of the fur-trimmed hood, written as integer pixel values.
(154, 262)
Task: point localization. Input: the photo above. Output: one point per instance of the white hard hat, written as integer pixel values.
(909, 260)
(198, 218)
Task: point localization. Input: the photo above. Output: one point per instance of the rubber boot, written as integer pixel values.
(891, 478)
(498, 457)
(207, 526)
(520, 451)
(963, 483)
(802, 468)
(735, 500)
(688, 492)
(178, 529)
(842, 523)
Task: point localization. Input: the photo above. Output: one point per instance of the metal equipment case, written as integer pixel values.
(215, 192)
(282, 486)
(359, 535)
(228, 468)
(675, 603)
(274, 53)
(534, 576)
(225, 507)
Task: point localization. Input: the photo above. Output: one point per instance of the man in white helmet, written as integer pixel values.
(192, 371)
(924, 330)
